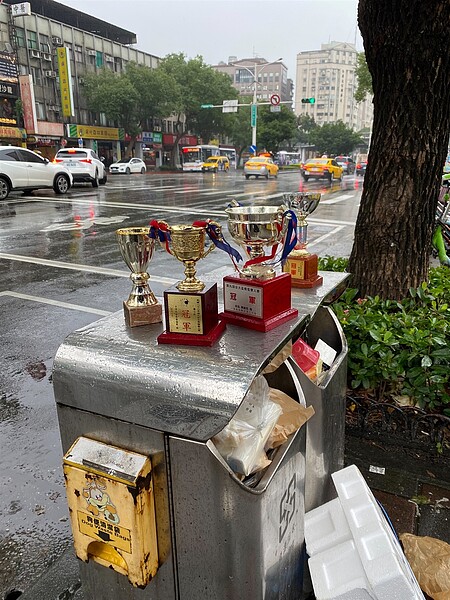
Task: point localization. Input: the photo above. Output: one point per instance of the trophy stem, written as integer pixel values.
(190, 283)
(256, 251)
(141, 295)
(302, 237)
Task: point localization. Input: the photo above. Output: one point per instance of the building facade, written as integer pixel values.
(271, 77)
(44, 59)
(329, 76)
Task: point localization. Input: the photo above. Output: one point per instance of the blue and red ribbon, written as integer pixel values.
(215, 234)
(159, 229)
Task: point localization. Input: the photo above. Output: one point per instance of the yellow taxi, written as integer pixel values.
(216, 163)
(260, 166)
(322, 168)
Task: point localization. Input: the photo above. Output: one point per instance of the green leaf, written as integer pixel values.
(426, 361)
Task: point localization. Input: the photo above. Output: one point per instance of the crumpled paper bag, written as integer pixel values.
(430, 561)
(279, 358)
(293, 416)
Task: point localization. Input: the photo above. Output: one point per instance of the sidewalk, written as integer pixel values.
(414, 491)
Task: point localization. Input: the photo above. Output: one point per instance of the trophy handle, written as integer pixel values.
(220, 236)
(163, 234)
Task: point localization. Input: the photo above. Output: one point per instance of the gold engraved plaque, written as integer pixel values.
(185, 313)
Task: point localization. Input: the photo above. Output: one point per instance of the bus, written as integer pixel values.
(285, 159)
(193, 157)
(230, 153)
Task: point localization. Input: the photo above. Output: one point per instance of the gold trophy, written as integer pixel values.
(300, 263)
(259, 298)
(136, 248)
(190, 307)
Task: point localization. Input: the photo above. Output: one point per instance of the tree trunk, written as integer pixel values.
(130, 146)
(407, 46)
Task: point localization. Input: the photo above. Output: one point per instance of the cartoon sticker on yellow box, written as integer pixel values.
(99, 502)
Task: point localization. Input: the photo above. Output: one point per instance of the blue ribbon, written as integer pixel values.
(156, 232)
(291, 235)
(220, 242)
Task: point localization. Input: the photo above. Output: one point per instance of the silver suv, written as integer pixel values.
(84, 164)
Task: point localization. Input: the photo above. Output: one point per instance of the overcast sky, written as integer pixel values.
(217, 29)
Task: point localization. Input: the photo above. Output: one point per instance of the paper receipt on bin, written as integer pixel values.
(327, 353)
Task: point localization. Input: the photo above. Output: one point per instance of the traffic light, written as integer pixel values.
(308, 100)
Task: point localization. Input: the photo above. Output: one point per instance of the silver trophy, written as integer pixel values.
(254, 227)
(303, 204)
(136, 247)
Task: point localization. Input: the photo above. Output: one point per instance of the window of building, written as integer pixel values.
(37, 75)
(78, 54)
(103, 119)
(45, 43)
(32, 40)
(40, 111)
(99, 59)
(117, 64)
(20, 37)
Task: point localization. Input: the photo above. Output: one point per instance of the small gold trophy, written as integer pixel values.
(136, 248)
(190, 307)
(300, 263)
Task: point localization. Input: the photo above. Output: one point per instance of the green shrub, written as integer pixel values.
(401, 349)
(333, 263)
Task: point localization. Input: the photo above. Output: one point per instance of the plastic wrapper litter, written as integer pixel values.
(242, 441)
(430, 561)
(293, 416)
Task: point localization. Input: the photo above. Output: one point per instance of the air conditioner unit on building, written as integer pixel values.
(53, 108)
(157, 128)
(92, 52)
(81, 80)
(50, 74)
(47, 57)
(56, 40)
(109, 58)
(35, 54)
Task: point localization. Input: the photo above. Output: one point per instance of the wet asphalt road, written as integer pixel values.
(60, 269)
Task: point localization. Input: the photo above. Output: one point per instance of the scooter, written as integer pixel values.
(441, 236)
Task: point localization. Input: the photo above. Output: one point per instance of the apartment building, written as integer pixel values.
(329, 76)
(271, 77)
(56, 112)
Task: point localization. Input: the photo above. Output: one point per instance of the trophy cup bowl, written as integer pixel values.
(187, 244)
(302, 203)
(254, 227)
(136, 248)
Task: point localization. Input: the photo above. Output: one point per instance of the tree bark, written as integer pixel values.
(407, 46)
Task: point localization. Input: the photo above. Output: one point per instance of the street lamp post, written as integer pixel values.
(254, 109)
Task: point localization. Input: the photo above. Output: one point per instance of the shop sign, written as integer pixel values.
(147, 137)
(65, 82)
(8, 67)
(157, 137)
(41, 141)
(10, 132)
(95, 133)
(8, 89)
(48, 128)
(138, 138)
(28, 103)
(22, 9)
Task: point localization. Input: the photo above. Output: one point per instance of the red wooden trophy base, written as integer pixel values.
(259, 305)
(191, 317)
(303, 270)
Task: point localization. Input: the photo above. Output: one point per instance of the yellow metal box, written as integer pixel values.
(112, 509)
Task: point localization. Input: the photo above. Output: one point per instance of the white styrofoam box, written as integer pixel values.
(376, 568)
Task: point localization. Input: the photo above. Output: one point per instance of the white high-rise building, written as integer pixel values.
(329, 76)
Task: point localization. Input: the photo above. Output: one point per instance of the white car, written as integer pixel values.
(22, 169)
(128, 165)
(84, 164)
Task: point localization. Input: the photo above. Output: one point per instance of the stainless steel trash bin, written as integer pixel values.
(217, 538)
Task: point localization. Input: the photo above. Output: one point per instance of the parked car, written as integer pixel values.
(216, 163)
(22, 169)
(361, 168)
(84, 164)
(128, 165)
(322, 168)
(260, 166)
(347, 163)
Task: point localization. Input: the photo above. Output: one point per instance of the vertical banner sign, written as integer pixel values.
(65, 82)
(28, 103)
(254, 115)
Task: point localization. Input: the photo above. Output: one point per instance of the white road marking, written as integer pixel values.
(58, 303)
(336, 200)
(325, 236)
(77, 267)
